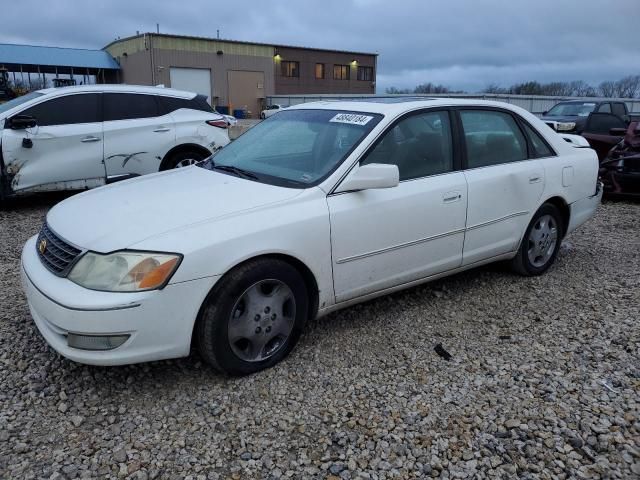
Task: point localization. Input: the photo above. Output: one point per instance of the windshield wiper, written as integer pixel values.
(240, 172)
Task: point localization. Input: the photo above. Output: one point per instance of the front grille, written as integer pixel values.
(56, 254)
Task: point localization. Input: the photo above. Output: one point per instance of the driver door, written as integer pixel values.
(381, 238)
(64, 150)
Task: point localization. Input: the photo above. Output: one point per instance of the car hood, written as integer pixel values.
(120, 215)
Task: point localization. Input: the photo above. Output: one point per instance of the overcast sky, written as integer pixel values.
(464, 44)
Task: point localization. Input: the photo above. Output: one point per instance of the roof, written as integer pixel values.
(170, 92)
(242, 42)
(56, 56)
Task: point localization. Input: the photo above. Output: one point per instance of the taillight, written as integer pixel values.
(217, 123)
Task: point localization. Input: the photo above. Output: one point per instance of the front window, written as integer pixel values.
(572, 109)
(296, 148)
(5, 107)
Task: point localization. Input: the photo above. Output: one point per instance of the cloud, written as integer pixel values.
(465, 44)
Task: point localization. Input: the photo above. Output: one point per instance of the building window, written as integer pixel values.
(365, 73)
(290, 69)
(341, 72)
(319, 70)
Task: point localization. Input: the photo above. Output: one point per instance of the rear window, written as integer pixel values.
(126, 106)
(171, 104)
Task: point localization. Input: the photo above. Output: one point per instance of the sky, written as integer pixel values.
(462, 44)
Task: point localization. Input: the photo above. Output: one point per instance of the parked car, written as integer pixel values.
(231, 120)
(571, 116)
(270, 110)
(317, 208)
(618, 149)
(82, 137)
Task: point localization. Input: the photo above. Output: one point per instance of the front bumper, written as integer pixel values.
(159, 323)
(584, 209)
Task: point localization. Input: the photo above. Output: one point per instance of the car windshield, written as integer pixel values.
(572, 109)
(296, 148)
(5, 107)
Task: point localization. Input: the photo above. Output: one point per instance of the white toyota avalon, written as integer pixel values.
(317, 208)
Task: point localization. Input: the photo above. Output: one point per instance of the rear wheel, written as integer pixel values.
(541, 242)
(184, 158)
(254, 317)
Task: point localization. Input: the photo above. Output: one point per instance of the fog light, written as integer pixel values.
(95, 342)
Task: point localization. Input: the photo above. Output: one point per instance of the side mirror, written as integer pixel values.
(20, 122)
(371, 176)
(618, 132)
(545, 112)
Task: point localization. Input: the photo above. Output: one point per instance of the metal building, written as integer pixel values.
(240, 75)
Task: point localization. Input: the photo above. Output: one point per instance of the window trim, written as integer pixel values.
(518, 121)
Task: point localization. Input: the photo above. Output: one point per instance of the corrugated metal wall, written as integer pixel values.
(532, 103)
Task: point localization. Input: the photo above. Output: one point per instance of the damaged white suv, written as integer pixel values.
(85, 136)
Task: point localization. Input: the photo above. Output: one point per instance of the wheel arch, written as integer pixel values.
(562, 206)
(179, 148)
(309, 278)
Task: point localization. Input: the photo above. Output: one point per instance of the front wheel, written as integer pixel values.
(541, 243)
(184, 158)
(253, 318)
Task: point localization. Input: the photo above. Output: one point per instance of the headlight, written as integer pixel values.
(125, 271)
(566, 126)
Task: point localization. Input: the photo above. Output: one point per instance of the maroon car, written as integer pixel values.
(618, 148)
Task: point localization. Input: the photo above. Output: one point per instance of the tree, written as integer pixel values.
(494, 88)
(607, 89)
(396, 91)
(628, 87)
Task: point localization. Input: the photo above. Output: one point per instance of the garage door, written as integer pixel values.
(196, 80)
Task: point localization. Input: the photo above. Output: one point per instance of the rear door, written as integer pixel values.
(381, 238)
(504, 184)
(64, 151)
(137, 135)
(597, 131)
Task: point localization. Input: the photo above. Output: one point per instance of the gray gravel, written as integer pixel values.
(544, 382)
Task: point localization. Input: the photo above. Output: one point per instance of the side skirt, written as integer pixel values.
(403, 286)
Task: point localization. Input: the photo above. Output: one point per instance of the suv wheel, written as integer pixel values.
(184, 158)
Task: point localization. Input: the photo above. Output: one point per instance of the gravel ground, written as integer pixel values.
(544, 382)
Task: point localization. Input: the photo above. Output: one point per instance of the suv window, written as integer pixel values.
(539, 146)
(605, 108)
(125, 106)
(420, 145)
(601, 123)
(171, 104)
(67, 110)
(492, 137)
(618, 109)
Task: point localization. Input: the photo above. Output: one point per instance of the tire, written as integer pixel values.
(240, 337)
(184, 158)
(541, 242)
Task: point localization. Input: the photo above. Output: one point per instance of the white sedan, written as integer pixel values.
(320, 207)
(271, 110)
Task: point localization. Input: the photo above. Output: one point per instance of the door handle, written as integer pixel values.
(534, 179)
(90, 139)
(450, 197)
(162, 129)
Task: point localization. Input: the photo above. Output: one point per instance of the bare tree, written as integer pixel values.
(494, 88)
(627, 87)
(607, 89)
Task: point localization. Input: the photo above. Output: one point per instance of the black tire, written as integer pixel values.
(522, 263)
(180, 156)
(212, 327)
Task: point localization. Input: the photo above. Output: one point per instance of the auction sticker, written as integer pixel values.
(351, 118)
